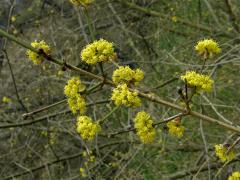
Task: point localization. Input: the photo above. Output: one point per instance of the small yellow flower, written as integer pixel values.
(234, 176)
(35, 57)
(221, 153)
(121, 95)
(6, 99)
(174, 18)
(124, 74)
(82, 172)
(200, 81)
(207, 48)
(81, 2)
(98, 51)
(175, 128)
(87, 128)
(92, 158)
(85, 154)
(15, 31)
(60, 73)
(13, 18)
(144, 126)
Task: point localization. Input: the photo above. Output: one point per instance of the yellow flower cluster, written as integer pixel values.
(121, 95)
(76, 104)
(124, 74)
(81, 2)
(207, 47)
(74, 87)
(221, 152)
(72, 90)
(200, 81)
(144, 126)
(234, 176)
(35, 57)
(98, 51)
(175, 128)
(87, 128)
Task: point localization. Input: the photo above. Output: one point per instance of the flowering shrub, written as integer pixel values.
(86, 113)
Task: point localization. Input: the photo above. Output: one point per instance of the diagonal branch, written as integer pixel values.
(30, 122)
(109, 82)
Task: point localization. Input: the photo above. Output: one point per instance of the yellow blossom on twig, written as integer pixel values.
(121, 95)
(223, 154)
(87, 128)
(200, 81)
(124, 74)
(72, 90)
(144, 127)
(98, 51)
(207, 48)
(175, 128)
(36, 58)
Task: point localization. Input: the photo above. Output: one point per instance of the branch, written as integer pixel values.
(28, 123)
(86, 92)
(109, 82)
(43, 108)
(155, 124)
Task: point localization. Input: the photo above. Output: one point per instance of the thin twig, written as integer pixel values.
(14, 82)
(88, 91)
(166, 83)
(129, 129)
(28, 123)
(43, 108)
